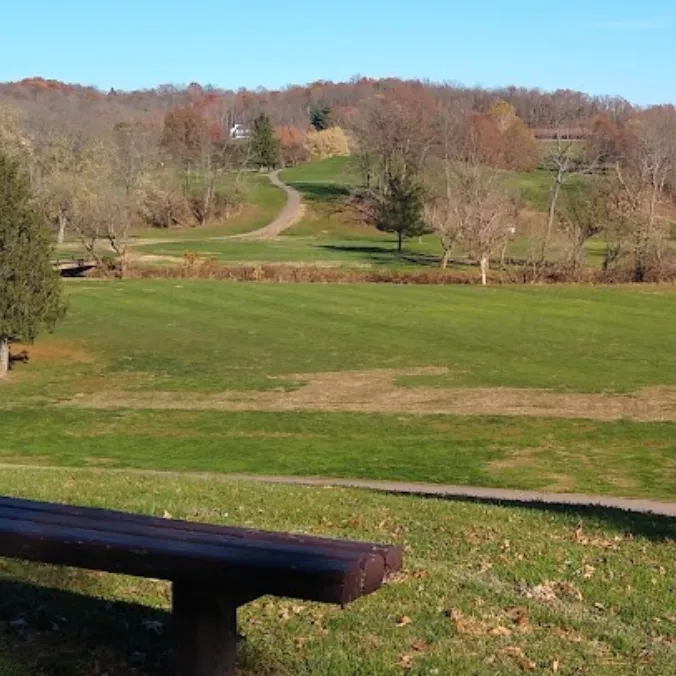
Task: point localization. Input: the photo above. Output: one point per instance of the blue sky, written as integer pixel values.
(600, 46)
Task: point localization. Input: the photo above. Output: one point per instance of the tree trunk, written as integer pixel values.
(206, 204)
(554, 193)
(503, 254)
(484, 264)
(4, 357)
(123, 265)
(400, 241)
(61, 236)
(445, 258)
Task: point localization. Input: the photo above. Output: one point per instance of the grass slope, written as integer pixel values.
(486, 590)
(619, 458)
(263, 202)
(332, 231)
(206, 335)
(336, 171)
(200, 337)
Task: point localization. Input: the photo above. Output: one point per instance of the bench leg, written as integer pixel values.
(205, 631)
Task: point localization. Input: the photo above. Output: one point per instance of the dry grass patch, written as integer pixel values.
(52, 350)
(523, 457)
(376, 391)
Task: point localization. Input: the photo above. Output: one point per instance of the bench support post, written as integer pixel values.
(205, 631)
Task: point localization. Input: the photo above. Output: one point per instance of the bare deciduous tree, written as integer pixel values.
(484, 210)
(395, 133)
(643, 174)
(583, 214)
(441, 207)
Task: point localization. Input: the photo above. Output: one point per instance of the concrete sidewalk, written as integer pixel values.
(506, 495)
(491, 495)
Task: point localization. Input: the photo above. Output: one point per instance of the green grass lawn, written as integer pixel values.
(329, 245)
(336, 171)
(486, 590)
(200, 337)
(611, 458)
(206, 335)
(337, 175)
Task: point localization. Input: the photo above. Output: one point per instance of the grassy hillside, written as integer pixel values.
(486, 590)
(316, 379)
(336, 170)
(217, 335)
(332, 230)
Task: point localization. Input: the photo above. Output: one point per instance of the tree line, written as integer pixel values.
(433, 157)
(435, 166)
(290, 105)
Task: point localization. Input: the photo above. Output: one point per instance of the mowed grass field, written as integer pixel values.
(563, 389)
(486, 590)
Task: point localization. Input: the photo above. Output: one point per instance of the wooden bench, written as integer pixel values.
(213, 569)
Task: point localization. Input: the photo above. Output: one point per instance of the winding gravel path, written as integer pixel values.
(292, 212)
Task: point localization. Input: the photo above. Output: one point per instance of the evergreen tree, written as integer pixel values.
(320, 117)
(265, 147)
(30, 289)
(401, 209)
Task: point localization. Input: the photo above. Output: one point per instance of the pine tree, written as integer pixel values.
(265, 148)
(30, 289)
(401, 210)
(320, 117)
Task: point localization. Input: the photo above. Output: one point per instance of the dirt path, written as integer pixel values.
(490, 495)
(378, 391)
(292, 212)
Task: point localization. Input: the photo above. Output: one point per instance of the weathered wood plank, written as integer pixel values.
(282, 573)
(118, 522)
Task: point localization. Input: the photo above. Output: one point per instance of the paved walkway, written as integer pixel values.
(493, 495)
(505, 495)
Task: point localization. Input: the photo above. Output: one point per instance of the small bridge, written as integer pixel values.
(73, 267)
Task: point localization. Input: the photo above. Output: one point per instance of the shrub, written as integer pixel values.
(327, 143)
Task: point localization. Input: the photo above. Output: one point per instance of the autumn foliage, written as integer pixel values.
(327, 143)
(292, 143)
(502, 140)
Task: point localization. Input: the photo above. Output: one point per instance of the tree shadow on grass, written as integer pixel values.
(384, 255)
(322, 192)
(656, 527)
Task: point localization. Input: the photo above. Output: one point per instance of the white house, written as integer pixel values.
(239, 131)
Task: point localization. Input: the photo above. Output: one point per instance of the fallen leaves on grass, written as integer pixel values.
(500, 631)
(466, 625)
(518, 654)
(556, 590)
(520, 617)
(602, 543)
(421, 646)
(406, 661)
